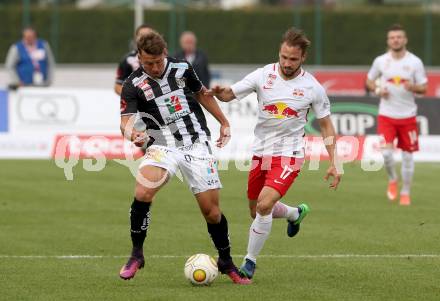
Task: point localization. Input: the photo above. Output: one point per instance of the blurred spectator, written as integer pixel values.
(30, 62)
(196, 57)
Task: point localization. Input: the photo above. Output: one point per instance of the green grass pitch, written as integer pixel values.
(43, 216)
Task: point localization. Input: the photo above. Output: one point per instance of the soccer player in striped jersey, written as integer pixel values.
(395, 77)
(127, 65)
(166, 92)
(285, 93)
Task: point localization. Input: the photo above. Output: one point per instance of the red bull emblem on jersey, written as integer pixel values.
(397, 80)
(298, 92)
(280, 110)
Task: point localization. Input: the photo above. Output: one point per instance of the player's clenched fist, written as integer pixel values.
(139, 138)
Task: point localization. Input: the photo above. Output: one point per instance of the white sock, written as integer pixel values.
(407, 172)
(390, 165)
(281, 210)
(258, 233)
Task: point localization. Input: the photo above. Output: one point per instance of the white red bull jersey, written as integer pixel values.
(283, 107)
(393, 74)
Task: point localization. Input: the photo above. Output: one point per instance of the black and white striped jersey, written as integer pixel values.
(167, 105)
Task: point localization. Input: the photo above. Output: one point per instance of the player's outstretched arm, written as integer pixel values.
(224, 94)
(211, 105)
(329, 136)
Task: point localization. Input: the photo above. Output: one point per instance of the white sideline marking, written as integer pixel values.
(322, 256)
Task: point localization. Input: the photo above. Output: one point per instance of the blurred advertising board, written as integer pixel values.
(346, 82)
(35, 121)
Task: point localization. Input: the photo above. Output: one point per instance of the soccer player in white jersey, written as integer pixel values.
(396, 76)
(285, 92)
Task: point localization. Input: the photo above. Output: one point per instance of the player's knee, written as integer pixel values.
(143, 194)
(264, 207)
(387, 153)
(407, 159)
(212, 214)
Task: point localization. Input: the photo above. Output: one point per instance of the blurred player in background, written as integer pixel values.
(166, 92)
(130, 62)
(30, 62)
(285, 93)
(196, 57)
(396, 76)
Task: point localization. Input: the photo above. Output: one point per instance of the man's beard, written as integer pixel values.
(397, 49)
(289, 72)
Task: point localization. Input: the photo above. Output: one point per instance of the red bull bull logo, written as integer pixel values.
(280, 110)
(397, 80)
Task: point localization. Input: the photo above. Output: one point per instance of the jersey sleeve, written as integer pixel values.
(128, 99)
(247, 85)
(192, 80)
(374, 72)
(321, 103)
(124, 70)
(420, 74)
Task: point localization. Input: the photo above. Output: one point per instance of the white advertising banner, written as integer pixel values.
(50, 110)
(39, 118)
(26, 146)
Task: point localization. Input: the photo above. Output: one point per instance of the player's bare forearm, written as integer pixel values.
(130, 133)
(211, 105)
(127, 127)
(118, 89)
(329, 135)
(123, 125)
(370, 85)
(224, 94)
(227, 95)
(418, 89)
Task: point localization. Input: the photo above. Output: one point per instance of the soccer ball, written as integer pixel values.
(201, 269)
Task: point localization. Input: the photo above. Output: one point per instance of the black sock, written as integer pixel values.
(139, 219)
(220, 236)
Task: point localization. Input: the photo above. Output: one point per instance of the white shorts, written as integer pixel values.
(196, 163)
